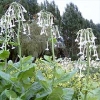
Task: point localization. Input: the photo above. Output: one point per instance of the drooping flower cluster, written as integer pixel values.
(86, 37)
(9, 20)
(45, 20)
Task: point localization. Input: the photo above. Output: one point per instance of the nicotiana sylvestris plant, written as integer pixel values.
(11, 26)
(45, 20)
(87, 47)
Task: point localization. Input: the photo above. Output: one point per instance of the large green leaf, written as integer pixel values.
(4, 54)
(59, 72)
(28, 72)
(41, 95)
(94, 94)
(65, 77)
(46, 86)
(5, 76)
(56, 94)
(15, 98)
(10, 94)
(27, 60)
(43, 81)
(34, 89)
(67, 94)
(48, 58)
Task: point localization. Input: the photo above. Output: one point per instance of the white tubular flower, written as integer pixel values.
(45, 21)
(3, 46)
(97, 59)
(28, 30)
(76, 40)
(24, 28)
(22, 17)
(85, 37)
(13, 47)
(15, 13)
(47, 48)
(51, 23)
(23, 9)
(43, 31)
(0, 34)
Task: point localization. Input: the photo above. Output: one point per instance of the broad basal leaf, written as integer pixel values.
(65, 77)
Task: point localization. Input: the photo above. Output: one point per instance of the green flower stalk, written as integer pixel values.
(13, 19)
(86, 42)
(45, 20)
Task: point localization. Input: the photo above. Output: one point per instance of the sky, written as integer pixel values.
(90, 9)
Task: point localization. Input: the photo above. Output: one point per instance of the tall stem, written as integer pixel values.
(53, 54)
(19, 44)
(5, 49)
(88, 71)
(88, 64)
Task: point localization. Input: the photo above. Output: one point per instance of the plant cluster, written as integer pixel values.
(48, 78)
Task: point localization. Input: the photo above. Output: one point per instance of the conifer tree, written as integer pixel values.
(72, 22)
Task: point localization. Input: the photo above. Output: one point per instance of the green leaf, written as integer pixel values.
(10, 94)
(2, 64)
(67, 94)
(34, 89)
(4, 54)
(26, 80)
(56, 94)
(40, 76)
(46, 86)
(13, 43)
(43, 81)
(48, 58)
(27, 59)
(15, 98)
(65, 77)
(59, 72)
(28, 72)
(5, 76)
(94, 94)
(42, 95)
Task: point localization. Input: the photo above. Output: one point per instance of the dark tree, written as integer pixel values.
(72, 22)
